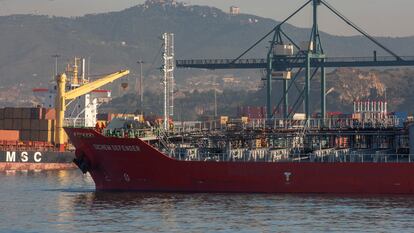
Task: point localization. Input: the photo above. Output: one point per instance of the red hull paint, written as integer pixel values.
(150, 170)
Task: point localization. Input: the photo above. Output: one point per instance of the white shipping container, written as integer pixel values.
(299, 116)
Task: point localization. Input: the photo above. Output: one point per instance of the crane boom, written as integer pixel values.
(84, 89)
(62, 96)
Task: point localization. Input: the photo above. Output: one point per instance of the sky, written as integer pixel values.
(378, 17)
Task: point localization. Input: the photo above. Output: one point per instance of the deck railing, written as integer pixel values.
(292, 124)
(299, 158)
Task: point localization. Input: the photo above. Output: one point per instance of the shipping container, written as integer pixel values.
(17, 124)
(34, 135)
(36, 113)
(8, 113)
(34, 124)
(25, 135)
(26, 124)
(17, 113)
(9, 135)
(8, 124)
(46, 124)
(26, 113)
(45, 136)
(42, 136)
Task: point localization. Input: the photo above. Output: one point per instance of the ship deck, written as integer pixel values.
(278, 140)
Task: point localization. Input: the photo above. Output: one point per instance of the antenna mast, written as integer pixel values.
(168, 70)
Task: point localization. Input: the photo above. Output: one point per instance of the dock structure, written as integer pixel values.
(288, 61)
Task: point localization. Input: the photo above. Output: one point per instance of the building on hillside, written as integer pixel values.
(234, 10)
(161, 2)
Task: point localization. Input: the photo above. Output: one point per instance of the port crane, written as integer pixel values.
(310, 58)
(63, 96)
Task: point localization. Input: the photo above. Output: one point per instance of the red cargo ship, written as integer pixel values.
(126, 164)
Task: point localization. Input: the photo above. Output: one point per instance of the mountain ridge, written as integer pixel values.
(116, 40)
(201, 32)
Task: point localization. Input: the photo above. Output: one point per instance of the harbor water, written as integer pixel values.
(65, 201)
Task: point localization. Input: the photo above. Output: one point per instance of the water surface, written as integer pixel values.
(65, 201)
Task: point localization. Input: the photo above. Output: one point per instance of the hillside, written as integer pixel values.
(117, 40)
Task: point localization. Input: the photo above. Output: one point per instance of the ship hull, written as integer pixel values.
(31, 160)
(132, 165)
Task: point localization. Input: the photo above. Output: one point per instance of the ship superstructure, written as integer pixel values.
(81, 111)
(33, 138)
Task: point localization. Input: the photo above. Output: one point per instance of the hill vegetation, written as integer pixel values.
(116, 40)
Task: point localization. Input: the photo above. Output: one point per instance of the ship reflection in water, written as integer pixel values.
(66, 202)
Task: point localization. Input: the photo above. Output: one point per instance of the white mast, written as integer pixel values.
(83, 70)
(168, 70)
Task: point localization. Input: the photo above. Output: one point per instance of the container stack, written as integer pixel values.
(33, 124)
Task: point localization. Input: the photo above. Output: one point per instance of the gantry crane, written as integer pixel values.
(63, 96)
(310, 57)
